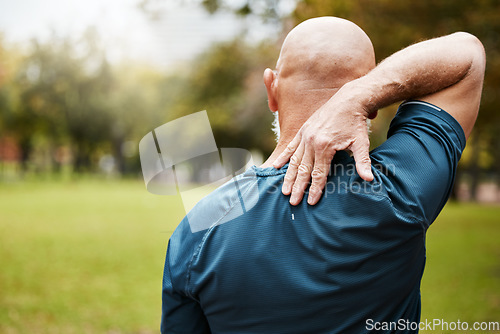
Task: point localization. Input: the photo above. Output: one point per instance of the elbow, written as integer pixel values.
(473, 49)
(470, 41)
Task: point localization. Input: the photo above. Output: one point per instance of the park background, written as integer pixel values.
(82, 242)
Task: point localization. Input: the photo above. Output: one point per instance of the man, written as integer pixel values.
(356, 257)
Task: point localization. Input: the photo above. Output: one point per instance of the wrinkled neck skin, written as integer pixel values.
(295, 110)
(297, 107)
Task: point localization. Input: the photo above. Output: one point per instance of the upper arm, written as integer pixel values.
(462, 99)
(180, 313)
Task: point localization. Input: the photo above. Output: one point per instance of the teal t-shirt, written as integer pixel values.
(246, 261)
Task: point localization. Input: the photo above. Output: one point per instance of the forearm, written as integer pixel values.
(418, 70)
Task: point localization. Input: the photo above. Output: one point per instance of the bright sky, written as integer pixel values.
(128, 33)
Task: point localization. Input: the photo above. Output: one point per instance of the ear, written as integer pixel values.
(270, 83)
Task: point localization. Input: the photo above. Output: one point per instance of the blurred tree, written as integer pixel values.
(135, 104)
(10, 58)
(9, 62)
(268, 10)
(62, 97)
(227, 82)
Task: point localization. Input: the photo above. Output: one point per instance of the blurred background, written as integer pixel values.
(82, 242)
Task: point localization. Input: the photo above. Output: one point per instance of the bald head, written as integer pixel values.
(318, 57)
(325, 52)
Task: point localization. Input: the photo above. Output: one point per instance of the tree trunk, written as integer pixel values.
(118, 155)
(82, 159)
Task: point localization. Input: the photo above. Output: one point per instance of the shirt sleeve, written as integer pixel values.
(417, 163)
(180, 313)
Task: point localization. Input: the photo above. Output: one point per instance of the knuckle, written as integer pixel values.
(341, 145)
(318, 173)
(310, 138)
(290, 148)
(322, 142)
(365, 159)
(314, 189)
(294, 161)
(304, 169)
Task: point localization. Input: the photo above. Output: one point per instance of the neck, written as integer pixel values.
(294, 111)
(289, 126)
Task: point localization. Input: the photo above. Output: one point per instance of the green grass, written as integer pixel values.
(83, 257)
(462, 275)
(87, 257)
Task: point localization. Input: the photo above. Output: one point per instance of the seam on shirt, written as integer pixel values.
(438, 112)
(200, 246)
(421, 103)
(412, 216)
(414, 220)
(447, 143)
(460, 134)
(261, 172)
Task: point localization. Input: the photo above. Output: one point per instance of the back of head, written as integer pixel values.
(323, 53)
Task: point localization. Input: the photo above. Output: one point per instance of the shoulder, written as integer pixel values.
(421, 116)
(228, 202)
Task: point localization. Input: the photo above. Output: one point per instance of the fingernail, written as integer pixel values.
(285, 189)
(314, 197)
(310, 200)
(293, 199)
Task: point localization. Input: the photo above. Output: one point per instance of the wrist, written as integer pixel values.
(362, 92)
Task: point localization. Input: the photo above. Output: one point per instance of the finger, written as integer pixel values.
(291, 172)
(288, 151)
(319, 176)
(360, 150)
(303, 177)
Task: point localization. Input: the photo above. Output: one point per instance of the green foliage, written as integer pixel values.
(63, 93)
(265, 9)
(68, 96)
(226, 81)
